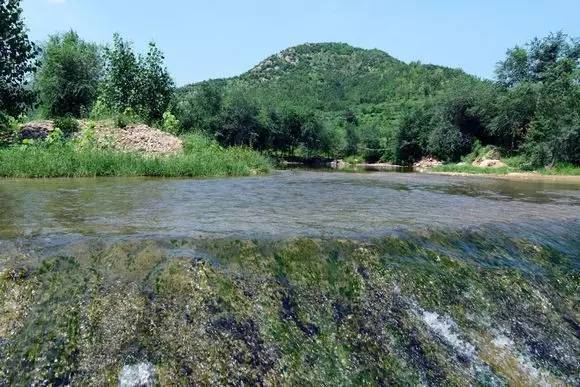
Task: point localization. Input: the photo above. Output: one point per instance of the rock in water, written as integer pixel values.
(137, 375)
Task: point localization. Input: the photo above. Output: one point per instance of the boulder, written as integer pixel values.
(36, 130)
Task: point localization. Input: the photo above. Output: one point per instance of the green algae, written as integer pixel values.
(304, 311)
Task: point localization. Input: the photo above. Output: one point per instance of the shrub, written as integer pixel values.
(68, 78)
(121, 121)
(67, 125)
(170, 123)
(8, 128)
(55, 137)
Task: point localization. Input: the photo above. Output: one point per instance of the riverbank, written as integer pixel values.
(200, 157)
(564, 173)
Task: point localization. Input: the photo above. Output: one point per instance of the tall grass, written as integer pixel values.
(466, 168)
(558, 169)
(202, 158)
(562, 169)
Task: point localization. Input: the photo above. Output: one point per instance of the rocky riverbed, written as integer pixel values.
(438, 308)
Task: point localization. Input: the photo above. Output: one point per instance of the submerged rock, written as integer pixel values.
(440, 308)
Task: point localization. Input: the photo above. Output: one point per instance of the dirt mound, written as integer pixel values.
(489, 163)
(139, 138)
(489, 157)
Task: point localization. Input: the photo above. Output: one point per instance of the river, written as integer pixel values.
(298, 277)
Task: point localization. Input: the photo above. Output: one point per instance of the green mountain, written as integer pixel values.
(332, 78)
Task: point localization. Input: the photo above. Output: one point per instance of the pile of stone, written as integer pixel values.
(139, 138)
(489, 159)
(427, 162)
(37, 130)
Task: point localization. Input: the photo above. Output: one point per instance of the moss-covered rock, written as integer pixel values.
(420, 309)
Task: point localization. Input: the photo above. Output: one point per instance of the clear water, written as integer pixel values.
(286, 204)
(484, 276)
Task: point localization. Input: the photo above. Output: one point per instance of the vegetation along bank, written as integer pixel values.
(326, 100)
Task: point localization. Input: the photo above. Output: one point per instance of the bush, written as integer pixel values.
(55, 137)
(67, 125)
(8, 129)
(170, 124)
(69, 76)
(121, 121)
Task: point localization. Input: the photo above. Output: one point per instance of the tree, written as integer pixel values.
(120, 87)
(540, 107)
(352, 135)
(554, 134)
(68, 78)
(154, 86)
(200, 109)
(534, 63)
(17, 55)
(239, 122)
(140, 83)
(411, 135)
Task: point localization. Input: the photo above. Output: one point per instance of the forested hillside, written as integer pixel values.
(335, 100)
(356, 95)
(313, 100)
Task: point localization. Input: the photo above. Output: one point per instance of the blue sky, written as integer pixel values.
(218, 38)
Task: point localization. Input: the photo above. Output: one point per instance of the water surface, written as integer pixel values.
(285, 204)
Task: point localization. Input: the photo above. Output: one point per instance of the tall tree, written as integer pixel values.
(155, 86)
(17, 55)
(120, 87)
(69, 75)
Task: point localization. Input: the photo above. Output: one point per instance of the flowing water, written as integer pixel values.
(297, 277)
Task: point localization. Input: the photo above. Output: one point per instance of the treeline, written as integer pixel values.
(237, 119)
(314, 100)
(533, 109)
(82, 79)
(69, 77)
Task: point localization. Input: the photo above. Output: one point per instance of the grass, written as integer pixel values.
(557, 170)
(466, 168)
(202, 158)
(561, 169)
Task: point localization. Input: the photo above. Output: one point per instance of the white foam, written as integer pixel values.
(141, 374)
(446, 328)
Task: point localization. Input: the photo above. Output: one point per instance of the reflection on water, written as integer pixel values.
(285, 204)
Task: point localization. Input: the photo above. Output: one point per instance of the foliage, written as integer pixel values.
(67, 125)
(203, 158)
(8, 129)
(68, 78)
(371, 105)
(119, 89)
(200, 109)
(17, 55)
(155, 86)
(347, 93)
(170, 123)
(140, 83)
(55, 137)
